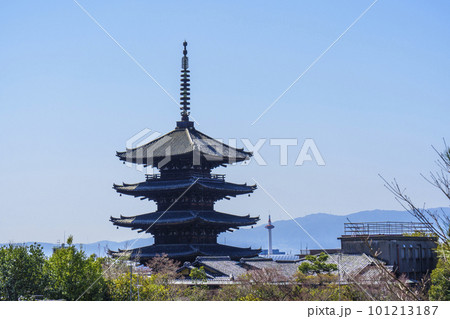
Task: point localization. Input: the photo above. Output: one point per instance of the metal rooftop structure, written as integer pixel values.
(384, 228)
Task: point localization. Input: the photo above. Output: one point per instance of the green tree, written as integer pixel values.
(198, 292)
(150, 288)
(198, 274)
(440, 281)
(317, 265)
(119, 287)
(74, 276)
(21, 272)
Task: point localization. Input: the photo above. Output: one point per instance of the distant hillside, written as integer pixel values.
(325, 228)
(287, 235)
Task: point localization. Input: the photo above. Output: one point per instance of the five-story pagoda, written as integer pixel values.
(185, 224)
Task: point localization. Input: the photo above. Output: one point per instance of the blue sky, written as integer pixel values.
(70, 98)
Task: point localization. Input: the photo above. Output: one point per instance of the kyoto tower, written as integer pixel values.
(269, 226)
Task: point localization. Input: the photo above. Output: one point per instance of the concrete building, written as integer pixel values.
(404, 246)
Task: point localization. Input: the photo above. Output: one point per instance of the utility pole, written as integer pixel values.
(138, 287)
(131, 281)
(339, 276)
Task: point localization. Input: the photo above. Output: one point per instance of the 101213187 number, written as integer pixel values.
(402, 310)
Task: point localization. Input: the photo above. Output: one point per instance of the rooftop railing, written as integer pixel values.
(220, 177)
(149, 177)
(384, 228)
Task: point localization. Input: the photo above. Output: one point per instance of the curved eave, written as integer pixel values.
(147, 189)
(237, 152)
(128, 155)
(183, 143)
(156, 219)
(153, 161)
(187, 250)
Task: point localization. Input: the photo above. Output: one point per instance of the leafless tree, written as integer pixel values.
(163, 265)
(437, 222)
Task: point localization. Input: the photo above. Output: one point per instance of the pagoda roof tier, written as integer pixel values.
(187, 251)
(184, 217)
(183, 143)
(153, 189)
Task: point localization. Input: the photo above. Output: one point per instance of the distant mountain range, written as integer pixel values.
(287, 235)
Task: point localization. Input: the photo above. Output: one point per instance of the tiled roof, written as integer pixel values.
(153, 188)
(224, 265)
(184, 217)
(182, 142)
(286, 269)
(353, 266)
(360, 267)
(281, 258)
(179, 251)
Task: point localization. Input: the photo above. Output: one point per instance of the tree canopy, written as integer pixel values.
(317, 265)
(21, 272)
(74, 276)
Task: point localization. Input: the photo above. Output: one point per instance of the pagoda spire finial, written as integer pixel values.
(185, 86)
